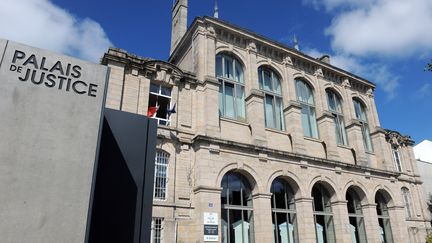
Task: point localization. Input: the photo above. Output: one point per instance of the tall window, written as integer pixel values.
(360, 112)
(270, 84)
(229, 72)
(323, 216)
(335, 107)
(356, 219)
(159, 103)
(407, 200)
(237, 214)
(306, 99)
(156, 230)
(283, 213)
(385, 232)
(397, 158)
(161, 175)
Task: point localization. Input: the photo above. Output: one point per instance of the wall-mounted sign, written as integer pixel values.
(50, 109)
(211, 224)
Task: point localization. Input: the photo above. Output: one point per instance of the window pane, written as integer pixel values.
(269, 117)
(240, 102)
(279, 114)
(238, 71)
(366, 138)
(276, 84)
(219, 72)
(267, 80)
(166, 91)
(154, 88)
(305, 121)
(228, 65)
(313, 123)
(221, 101)
(229, 100)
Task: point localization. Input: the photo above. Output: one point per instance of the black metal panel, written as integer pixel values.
(123, 191)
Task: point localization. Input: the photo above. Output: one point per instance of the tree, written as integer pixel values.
(429, 66)
(429, 238)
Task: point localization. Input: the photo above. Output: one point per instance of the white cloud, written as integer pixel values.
(376, 73)
(41, 23)
(425, 91)
(381, 27)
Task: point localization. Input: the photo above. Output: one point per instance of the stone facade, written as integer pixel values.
(203, 146)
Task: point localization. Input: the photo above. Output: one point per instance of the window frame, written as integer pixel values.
(161, 120)
(289, 211)
(227, 208)
(357, 216)
(308, 109)
(161, 162)
(275, 97)
(238, 85)
(397, 158)
(361, 116)
(338, 118)
(383, 217)
(157, 226)
(326, 213)
(406, 195)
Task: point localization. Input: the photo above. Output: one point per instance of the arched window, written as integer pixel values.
(306, 99)
(237, 214)
(270, 84)
(161, 175)
(385, 232)
(284, 216)
(356, 219)
(335, 107)
(360, 112)
(229, 72)
(397, 158)
(323, 216)
(407, 200)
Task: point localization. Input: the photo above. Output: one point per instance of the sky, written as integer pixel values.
(387, 42)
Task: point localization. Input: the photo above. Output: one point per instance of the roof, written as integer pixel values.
(281, 45)
(423, 151)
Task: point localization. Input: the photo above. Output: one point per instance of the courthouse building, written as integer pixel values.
(280, 146)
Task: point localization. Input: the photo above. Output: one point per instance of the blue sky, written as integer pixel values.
(388, 42)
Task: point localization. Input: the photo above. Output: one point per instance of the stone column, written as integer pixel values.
(341, 221)
(255, 116)
(305, 220)
(293, 120)
(207, 107)
(398, 224)
(355, 137)
(371, 222)
(263, 226)
(206, 199)
(327, 134)
(382, 150)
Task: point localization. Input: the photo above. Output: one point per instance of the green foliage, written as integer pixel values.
(429, 238)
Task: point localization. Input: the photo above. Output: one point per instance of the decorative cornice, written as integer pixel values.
(255, 93)
(397, 139)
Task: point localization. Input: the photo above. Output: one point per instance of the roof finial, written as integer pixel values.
(296, 45)
(216, 10)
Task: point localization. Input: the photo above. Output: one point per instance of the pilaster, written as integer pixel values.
(292, 115)
(255, 116)
(355, 137)
(306, 223)
(262, 217)
(326, 127)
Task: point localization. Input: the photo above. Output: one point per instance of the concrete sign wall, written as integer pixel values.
(50, 113)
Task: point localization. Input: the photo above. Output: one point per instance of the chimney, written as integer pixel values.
(325, 58)
(179, 22)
